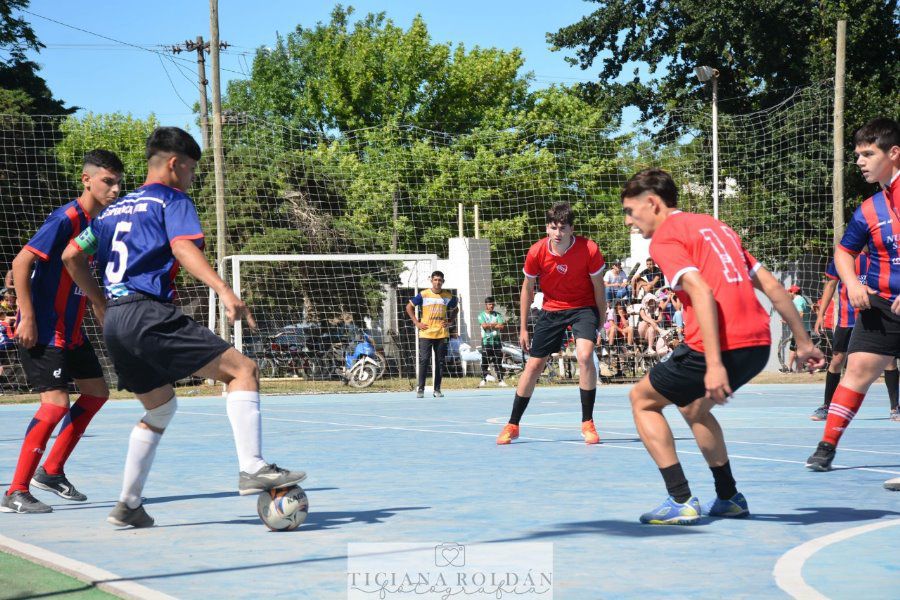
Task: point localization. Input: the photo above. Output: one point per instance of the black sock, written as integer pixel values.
(892, 381)
(676, 483)
(831, 382)
(519, 406)
(725, 485)
(587, 403)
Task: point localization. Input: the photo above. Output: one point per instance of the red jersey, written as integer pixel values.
(565, 278)
(695, 242)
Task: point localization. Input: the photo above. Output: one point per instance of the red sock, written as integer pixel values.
(73, 426)
(36, 436)
(843, 408)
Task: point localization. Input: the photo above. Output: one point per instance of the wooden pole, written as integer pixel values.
(218, 153)
(204, 109)
(837, 184)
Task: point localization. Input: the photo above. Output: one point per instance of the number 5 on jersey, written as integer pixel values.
(115, 268)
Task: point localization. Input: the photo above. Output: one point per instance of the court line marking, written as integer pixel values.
(788, 569)
(95, 576)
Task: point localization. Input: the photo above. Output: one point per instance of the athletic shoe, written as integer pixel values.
(23, 502)
(420, 393)
(437, 394)
(892, 484)
(122, 516)
(482, 383)
(734, 508)
(509, 433)
(649, 352)
(502, 383)
(270, 477)
(673, 513)
(58, 484)
(820, 460)
(589, 432)
(820, 414)
(895, 415)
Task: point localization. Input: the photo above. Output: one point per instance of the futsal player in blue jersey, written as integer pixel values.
(844, 320)
(139, 244)
(875, 225)
(53, 348)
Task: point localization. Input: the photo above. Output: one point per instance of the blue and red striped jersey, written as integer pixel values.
(876, 224)
(132, 240)
(58, 303)
(846, 314)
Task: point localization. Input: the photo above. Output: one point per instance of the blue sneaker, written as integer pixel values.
(734, 508)
(673, 513)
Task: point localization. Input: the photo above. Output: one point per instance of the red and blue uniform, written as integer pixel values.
(132, 241)
(846, 316)
(58, 303)
(876, 224)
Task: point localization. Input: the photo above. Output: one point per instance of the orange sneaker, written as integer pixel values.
(509, 433)
(589, 432)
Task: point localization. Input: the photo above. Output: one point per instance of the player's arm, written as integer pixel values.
(827, 295)
(845, 265)
(75, 260)
(22, 264)
(526, 297)
(599, 295)
(194, 262)
(781, 300)
(706, 312)
(411, 312)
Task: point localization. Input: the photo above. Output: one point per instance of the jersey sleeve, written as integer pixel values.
(856, 236)
(416, 300)
(182, 222)
(831, 270)
(532, 263)
(596, 262)
(52, 234)
(454, 301)
(672, 256)
(482, 318)
(86, 241)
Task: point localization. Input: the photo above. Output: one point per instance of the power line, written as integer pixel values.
(172, 83)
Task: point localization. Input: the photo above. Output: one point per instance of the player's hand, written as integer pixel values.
(524, 342)
(810, 356)
(421, 326)
(26, 333)
(716, 381)
(237, 310)
(859, 296)
(99, 312)
(895, 306)
(817, 328)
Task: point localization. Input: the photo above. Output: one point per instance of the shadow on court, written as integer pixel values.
(824, 514)
(612, 527)
(317, 521)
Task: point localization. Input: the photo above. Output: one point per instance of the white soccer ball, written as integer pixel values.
(283, 509)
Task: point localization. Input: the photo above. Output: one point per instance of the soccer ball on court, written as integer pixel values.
(284, 509)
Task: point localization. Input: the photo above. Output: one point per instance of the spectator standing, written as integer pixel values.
(438, 308)
(492, 323)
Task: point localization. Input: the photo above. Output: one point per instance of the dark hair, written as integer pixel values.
(489, 300)
(561, 213)
(104, 159)
(172, 139)
(883, 132)
(437, 274)
(652, 180)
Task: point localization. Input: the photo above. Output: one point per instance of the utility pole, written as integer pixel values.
(218, 156)
(200, 47)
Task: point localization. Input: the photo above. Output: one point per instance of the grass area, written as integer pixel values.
(25, 579)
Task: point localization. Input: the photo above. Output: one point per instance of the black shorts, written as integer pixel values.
(51, 368)
(552, 324)
(679, 376)
(877, 329)
(153, 343)
(841, 340)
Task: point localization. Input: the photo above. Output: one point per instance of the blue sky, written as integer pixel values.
(101, 76)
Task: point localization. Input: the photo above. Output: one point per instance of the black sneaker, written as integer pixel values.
(420, 393)
(270, 477)
(437, 394)
(122, 516)
(58, 484)
(821, 458)
(23, 502)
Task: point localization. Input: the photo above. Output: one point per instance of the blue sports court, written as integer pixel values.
(386, 468)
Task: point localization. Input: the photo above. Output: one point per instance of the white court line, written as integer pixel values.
(788, 570)
(99, 578)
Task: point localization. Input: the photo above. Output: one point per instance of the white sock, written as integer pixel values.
(141, 450)
(246, 424)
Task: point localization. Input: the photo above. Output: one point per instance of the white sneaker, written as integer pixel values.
(490, 378)
(502, 384)
(482, 383)
(892, 484)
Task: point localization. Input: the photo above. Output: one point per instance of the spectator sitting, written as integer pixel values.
(649, 327)
(616, 283)
(8, 304)
(621, 327)
(647, 281)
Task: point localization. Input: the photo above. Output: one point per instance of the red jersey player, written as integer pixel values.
(570, 269)
(727, 340)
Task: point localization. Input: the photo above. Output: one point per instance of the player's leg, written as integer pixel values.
(242, 405)
(45, 371)
(496, 358)
(584, 328)
(85, 369)
(425, 349)
(892, 382)
(486, 361)
(440, 357)
(832, 380)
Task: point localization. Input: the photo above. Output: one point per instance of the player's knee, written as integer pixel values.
(159, 418)
(248, 369)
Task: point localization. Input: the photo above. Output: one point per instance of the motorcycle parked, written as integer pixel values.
(363, 365)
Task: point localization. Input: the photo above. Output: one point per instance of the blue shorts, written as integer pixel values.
(153, 343)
